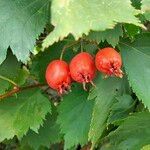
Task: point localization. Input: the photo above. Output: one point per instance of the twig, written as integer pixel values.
(74, 43)
(9, 80)
(65, 47)
(92, 42)
(81, 41)
(19, 89)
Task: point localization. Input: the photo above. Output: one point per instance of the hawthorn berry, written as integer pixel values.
(58, 76)
(82, 68)
(109, 62)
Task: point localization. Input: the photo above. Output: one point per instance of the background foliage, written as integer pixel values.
(114, 115)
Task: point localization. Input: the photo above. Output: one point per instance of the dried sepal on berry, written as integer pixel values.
(109, 62)
(82, 68)
(58, 76)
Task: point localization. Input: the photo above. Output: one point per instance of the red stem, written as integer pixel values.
(19, 89)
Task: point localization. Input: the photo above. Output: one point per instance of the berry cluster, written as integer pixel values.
(82, 69)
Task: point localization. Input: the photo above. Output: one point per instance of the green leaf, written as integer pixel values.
(49, 133)
(132, 134)
(136, 3)
(74, 117)
(132, 30)
(105, 92)
(111, 35)
(138, 69)
(81, 16)
(90, 48)
(21, 23)
(146, 8)
(18, 114)
(25, 147)
(23, 74)
(12, 70)
(121, 108)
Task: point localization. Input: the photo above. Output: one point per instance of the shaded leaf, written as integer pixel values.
(121, 108)
(132, 30)
(136, 3)
(12, 70)
(138, 73)
(105, 92)
(74, 117)
(18, 114)
(132, 134)
(111, 35)
(49, 133)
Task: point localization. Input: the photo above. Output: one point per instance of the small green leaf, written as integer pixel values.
(136, 58)
(81, 16)
(22, 76)
(90, 48)
(111, 35)
(136, 3)
(132, 134)
(12, 70)
(25, 147)
(105, 92)
(18, 114)
(74, 117)
(49, 133)
(132, 30)
(121, 108)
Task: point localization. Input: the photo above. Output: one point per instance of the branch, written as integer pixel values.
(76, 42)
(19, 89)
(67, 46)
(81, 42)
(91, 42)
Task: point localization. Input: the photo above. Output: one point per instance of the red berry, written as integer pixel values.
(109, 62)
(82, 68)
(58, 76)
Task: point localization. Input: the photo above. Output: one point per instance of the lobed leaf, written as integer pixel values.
(121, 108)
(111, 35)
(81, 16)
(12, 70)
(21, 23)
(74, 117)
(132, 134)
(49, 133)
(105, 92)
(136, 58)
(21, 112)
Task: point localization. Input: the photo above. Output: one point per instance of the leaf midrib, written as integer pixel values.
(135, 49)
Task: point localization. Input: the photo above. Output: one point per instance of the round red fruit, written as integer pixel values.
(58, 76)
(109, 62)
(82, 68)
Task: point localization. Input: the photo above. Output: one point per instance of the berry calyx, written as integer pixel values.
(109, 62)
(58, 76)
(82, 68)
